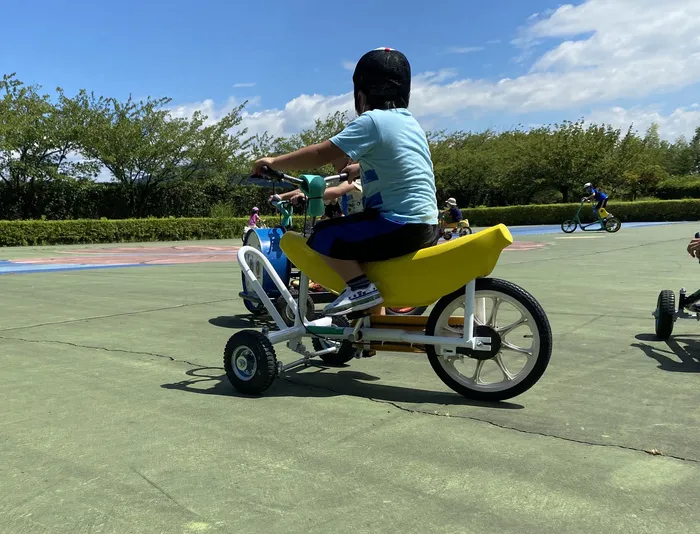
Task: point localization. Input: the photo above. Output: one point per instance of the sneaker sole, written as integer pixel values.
(359, 307)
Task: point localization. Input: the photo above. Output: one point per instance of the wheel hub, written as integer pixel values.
(486, 331)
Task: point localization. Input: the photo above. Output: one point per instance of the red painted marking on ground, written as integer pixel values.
(145, 256)
(526, 245)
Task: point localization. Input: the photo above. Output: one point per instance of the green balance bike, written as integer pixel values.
(603, 222)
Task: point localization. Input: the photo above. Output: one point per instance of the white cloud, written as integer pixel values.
(464, 49)
(597, 52)
(246, 84)
(681, 121)
(349, 65)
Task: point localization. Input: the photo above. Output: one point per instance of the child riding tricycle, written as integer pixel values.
(666, 312)
(486, 338)
(452, 221)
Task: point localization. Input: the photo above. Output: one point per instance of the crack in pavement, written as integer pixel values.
(121, 314)
(501, 426)
(93, 347)
(378, 401)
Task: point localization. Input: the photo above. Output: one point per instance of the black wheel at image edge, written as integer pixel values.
(542, 325)
(665, 314)
(346, 351)
(250, 362)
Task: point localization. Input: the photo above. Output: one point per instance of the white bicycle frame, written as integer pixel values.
(362, 333)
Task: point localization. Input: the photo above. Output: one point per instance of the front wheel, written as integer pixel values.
(465, 231)
(665, 314)
(612, 225)
(250, 362)
(521, 341)
(568, 226)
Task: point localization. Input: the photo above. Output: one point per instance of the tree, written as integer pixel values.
(142, 145)
(37, 144)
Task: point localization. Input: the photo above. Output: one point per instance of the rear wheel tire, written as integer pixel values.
(613, 225)
(665, 314)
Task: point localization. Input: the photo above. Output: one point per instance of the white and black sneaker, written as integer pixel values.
(354, 300)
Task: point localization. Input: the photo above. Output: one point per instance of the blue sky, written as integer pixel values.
(617, 61)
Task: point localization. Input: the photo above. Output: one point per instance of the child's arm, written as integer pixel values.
(337, 191)
(289, 195)
(309, 157)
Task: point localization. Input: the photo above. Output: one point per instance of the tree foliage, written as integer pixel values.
(51, 149)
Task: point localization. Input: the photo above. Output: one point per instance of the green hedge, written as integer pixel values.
(22, 233)
(18, 233)
(679, 187)
(646, 211)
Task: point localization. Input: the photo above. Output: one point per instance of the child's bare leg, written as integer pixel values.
(347, 269)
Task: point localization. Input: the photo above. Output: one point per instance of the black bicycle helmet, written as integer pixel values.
(384, 76)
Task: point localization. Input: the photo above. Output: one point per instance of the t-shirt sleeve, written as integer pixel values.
(358, 138)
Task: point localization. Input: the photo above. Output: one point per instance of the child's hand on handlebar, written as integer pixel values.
(353, 172)
(262, 162)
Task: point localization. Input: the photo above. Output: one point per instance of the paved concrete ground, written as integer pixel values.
(116, 416)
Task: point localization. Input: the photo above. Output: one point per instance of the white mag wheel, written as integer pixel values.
(521, 341)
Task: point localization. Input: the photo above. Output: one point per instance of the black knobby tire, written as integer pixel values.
(568, 226)
(346, 351)
(613, 225)
(286, 312)
(665, 314)
(542, 326)
(465, 231)
(420, 310)
(447, 236)
(260, 356)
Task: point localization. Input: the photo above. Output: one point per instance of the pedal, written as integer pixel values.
(359, 314)
(368, 353)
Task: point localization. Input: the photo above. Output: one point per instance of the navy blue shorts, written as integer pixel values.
(367, 236)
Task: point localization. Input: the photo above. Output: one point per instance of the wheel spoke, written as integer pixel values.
(477, 372)
(504, 331)
(509, 346)
(494, 311)
(501, 364)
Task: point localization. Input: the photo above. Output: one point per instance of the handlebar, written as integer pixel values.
(280, 176)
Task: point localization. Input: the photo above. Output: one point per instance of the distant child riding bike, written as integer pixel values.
(601, 198)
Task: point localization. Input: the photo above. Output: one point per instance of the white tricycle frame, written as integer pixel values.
(361, 334)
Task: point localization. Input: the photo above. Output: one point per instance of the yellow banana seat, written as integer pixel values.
(416, 279)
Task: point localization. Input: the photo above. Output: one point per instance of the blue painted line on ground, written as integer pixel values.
(556, 229)
(8, 267)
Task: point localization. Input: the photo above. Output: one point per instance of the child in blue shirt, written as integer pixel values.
(595, 193)
(400, 213)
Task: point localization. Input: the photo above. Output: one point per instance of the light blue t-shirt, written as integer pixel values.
(396, 169)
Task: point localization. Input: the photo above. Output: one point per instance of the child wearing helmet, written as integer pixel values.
(601, 198)
(400, 213)
(455, 214)
(254, 218)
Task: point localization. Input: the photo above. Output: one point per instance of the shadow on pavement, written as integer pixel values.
(242, 321)
(213, 381)
(680, 354)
